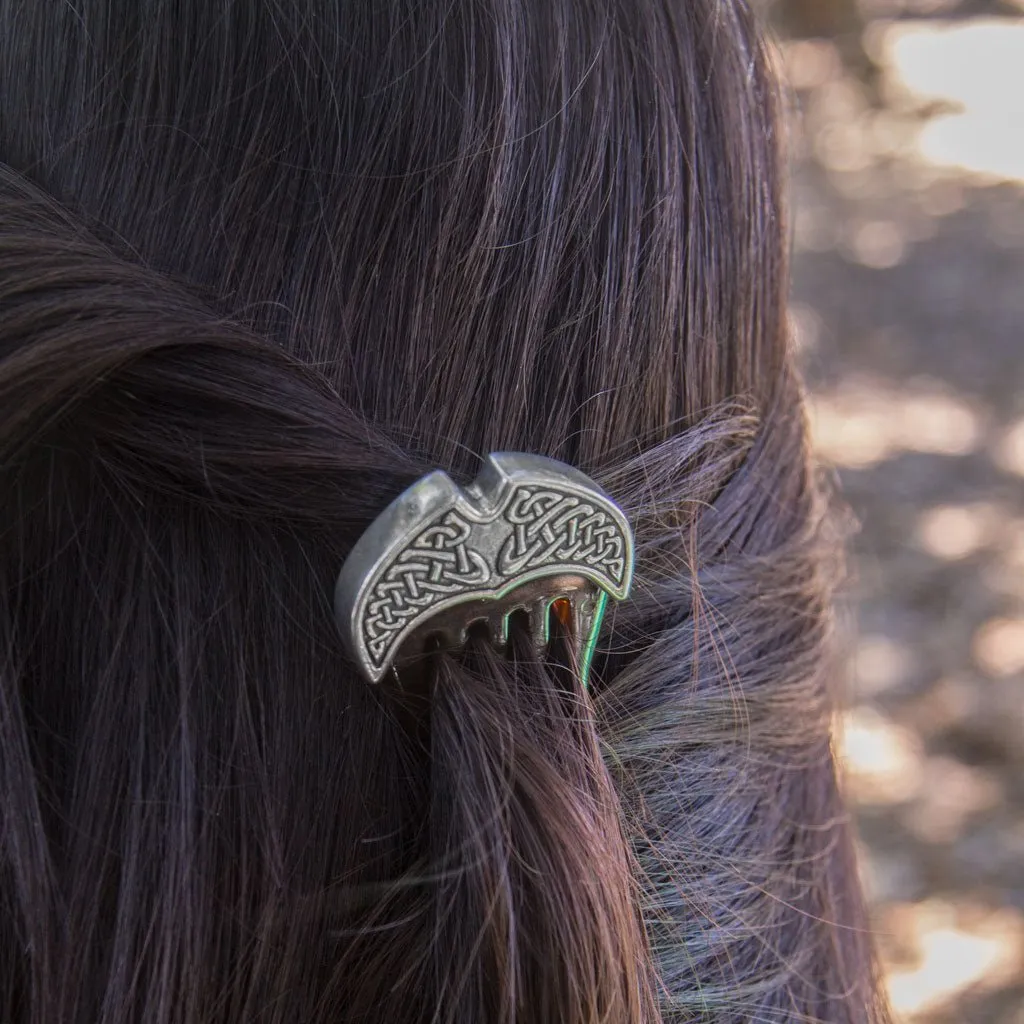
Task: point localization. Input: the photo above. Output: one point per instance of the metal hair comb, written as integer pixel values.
(529, 534)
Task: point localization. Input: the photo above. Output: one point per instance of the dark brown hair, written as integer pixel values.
(264, 263)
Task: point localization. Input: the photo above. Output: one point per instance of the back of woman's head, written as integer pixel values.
(261, 266)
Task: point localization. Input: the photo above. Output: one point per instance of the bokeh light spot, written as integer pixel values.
(951, 793)
(883, 760)
(952, 532)
(879, 244)
(880, 664)
(953, 955)
(1009, 449)
(998, 646)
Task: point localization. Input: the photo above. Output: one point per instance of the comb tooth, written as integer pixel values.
(539, 623)
(498, 623)
(582, 621)
(580, 617)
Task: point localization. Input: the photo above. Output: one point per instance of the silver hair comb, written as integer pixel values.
(528, 534)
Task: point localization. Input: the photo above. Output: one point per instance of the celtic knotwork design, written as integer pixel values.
(550, 526)
(438, 563)
(437, 547)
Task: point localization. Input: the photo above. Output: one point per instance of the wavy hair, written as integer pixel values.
(262, 264)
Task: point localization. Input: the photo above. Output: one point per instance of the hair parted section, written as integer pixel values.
(262, 266)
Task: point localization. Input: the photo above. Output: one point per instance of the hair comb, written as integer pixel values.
(529, 534)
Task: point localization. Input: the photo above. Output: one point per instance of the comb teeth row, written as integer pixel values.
(496, 622)
(574, 610)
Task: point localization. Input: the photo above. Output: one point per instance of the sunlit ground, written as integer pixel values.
(908, 312)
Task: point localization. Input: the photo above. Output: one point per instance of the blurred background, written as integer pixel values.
(908, 310)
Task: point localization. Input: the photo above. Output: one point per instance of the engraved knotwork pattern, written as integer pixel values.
(545, 527)
(551, 527)
(436, 565)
